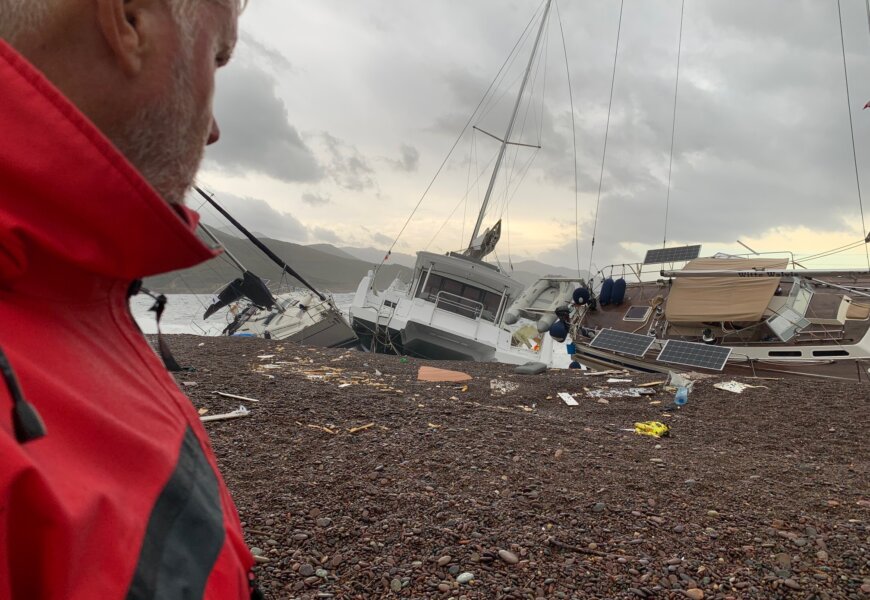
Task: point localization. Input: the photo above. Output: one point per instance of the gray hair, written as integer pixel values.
(21, 16)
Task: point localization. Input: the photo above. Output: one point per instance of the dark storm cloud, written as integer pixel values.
(410, 158)
(347, 166)
(255, 131)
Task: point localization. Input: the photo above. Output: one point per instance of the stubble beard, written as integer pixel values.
(166, 141)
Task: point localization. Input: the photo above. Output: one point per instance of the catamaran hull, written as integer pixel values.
(421, 341)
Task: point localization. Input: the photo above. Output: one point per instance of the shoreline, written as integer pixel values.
(356, 480)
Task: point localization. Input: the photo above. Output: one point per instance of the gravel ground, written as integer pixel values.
(458, 491)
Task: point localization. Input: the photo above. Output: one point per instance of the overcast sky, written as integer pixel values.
(335, 116)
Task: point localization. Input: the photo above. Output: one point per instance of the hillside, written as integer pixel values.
(323, 265)
(324, 270)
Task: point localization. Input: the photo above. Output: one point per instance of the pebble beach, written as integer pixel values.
(355, 479)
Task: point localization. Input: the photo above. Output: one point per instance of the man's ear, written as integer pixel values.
(121, 24)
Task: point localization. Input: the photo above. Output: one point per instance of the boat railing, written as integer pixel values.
(458, 305)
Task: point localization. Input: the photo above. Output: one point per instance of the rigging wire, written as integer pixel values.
(461, 200)
(852, 131)
(606, 130)
(492, 101)
(452, 148)
(673, 124)
(838, 250)
(574, 139)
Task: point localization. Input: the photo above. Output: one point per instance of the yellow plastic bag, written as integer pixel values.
(653, 428)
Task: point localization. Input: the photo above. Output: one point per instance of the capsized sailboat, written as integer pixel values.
(458, 306)
(304, 316)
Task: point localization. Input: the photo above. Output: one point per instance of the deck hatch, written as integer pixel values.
(632, 344)
(693, 354)
(637, 313)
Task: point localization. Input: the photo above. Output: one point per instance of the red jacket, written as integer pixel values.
(122, 497)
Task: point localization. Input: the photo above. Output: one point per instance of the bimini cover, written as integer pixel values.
(741, 299)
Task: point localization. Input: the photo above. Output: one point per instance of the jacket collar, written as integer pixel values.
(68, 198)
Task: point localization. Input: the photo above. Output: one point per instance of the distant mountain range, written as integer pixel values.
(324, 266)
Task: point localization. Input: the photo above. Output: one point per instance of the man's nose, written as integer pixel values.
(215, 133)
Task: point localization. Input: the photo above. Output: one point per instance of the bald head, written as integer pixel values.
(141, 70)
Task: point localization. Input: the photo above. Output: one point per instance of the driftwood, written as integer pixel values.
(610, 372)
(236, 414)
(226, 395)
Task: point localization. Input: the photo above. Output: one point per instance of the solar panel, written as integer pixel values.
(631, 344)
(637, 313)
(668, 255)
(693, 354)
(788, 323)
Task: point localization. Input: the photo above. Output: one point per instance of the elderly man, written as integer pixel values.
(108, 486)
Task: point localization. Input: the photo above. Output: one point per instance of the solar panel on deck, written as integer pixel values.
(668, 255)
(693, 354)
(632, 344)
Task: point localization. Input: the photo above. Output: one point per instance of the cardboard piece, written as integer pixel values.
(434, 374)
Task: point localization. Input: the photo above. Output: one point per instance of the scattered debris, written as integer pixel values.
(609, 372)
(734, 386)
(322, 428)
(651, 383)
(227, 395)
(435, 374)
(265, 356)
(632, 392)
(655, 429)
(202, 411)
(502, 387)
(361, 428)
(678, 380)
(568, 398)
(189, 383)
(240, 412)
(615, 380)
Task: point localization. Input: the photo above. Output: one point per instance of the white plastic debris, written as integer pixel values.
(679, 380)
(568, 398)
(734, 386)
(615, 380)
(501, 387)
(633, 392)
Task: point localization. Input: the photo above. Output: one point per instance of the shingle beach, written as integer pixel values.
(355, 480)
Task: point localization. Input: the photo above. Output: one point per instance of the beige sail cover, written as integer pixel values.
(715, 299)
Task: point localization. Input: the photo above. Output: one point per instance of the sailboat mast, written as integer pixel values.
(510, 127)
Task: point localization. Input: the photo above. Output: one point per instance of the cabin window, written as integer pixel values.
(775, 353)
(830, 353)
(461, 298)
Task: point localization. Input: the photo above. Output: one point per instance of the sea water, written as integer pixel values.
(183, 313)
